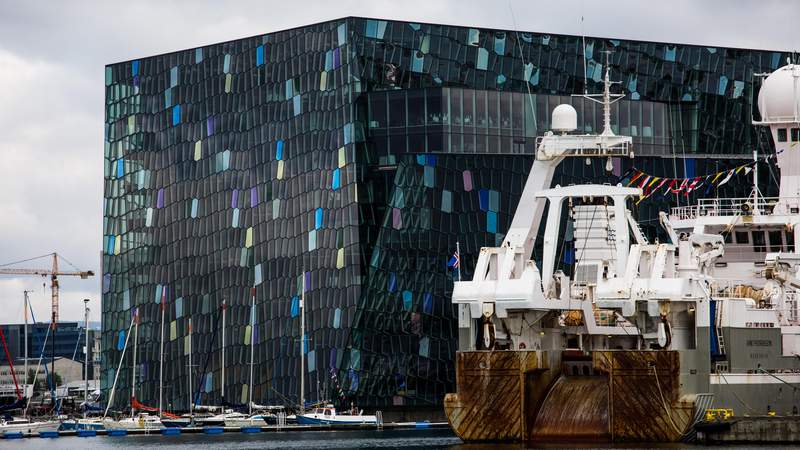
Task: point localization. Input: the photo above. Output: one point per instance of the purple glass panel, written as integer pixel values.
(467, 180)
(160, 200)
(617, 171)
(136, 81)
(336, 58)
(210, 125)
(253, 197)
(397, 219)
(308, 281)
(235, 198)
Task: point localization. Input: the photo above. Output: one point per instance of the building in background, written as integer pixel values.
(358, 152)
(69, 343)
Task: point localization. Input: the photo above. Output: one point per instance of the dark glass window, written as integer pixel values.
(397, 109)
(492, 109)
(455, 107)
(759, 241)
(433, 101)
(742, 237)
(782, 135)
(416, 107)
(795, 134)
(469, 108)
(377, 110)
(775, 240)
(480, 109)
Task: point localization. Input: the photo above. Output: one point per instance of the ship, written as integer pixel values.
(637, 339)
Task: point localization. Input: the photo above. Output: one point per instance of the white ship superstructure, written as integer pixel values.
(633, 328)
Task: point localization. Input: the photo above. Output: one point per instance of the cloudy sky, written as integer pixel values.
(52, 58)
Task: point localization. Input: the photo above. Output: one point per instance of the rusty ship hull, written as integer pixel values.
(549, 396)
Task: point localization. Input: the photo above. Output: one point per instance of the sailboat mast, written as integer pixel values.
(161, 363)
(86, 356)
(133, 368)
(25, 370)
(303, 344)
(191, 394)
(252, 348)
(224, 308)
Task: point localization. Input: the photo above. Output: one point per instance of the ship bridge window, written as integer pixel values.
(759, 241)
(781, 134)
(795, 134)
(742, 237)
(790, 241)
(775, 241)
(728, 237)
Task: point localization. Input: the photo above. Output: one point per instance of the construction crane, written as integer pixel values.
(53, 273)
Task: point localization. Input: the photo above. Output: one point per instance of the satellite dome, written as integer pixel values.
(779, 97)
(565, 118)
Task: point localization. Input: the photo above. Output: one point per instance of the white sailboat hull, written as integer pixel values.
(30, 427)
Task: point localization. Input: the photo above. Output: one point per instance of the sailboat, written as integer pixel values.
(236, 419)
(141, 420)
(22, 424)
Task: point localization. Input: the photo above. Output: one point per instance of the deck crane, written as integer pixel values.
(53, 273)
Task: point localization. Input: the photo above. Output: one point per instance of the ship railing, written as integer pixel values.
(732, 206)
(584, 145)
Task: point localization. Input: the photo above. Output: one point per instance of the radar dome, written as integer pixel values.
(779, 97)
(565, 118)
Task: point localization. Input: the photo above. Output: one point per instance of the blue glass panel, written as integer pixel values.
(296, 103)
(318, 218)
(483, 59)
(427, 303)
(689, 164)
(429, 178)
(257, 275)
(209, 382)
(253, 197)
(408, 300)
(430, 160)
(392, 282)
(178, 307)
(372, 28)
(417, 62)
(491, 222)
(341, 32)
(176, 115)
(424, 344)
(259, 55)
(173, 77)
(483, 199)
(336, 183)
(198, 55)
(135, 68)
(738, 88)
(226, 65)
(588, 51)
(723, 84)
(669, 53)
(447, 201)
(194, 207)
(500, 45)
(295, 306)
(159, 289)
(235, 220)
(121, 340)
(289, 89)
(279, 151)
(337, 318)
(120, 168)
(494, 200)
(312, 361)
(381, 29)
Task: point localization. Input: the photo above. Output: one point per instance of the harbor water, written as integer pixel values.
(436, 439)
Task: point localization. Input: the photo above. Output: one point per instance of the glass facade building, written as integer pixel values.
(356, 153)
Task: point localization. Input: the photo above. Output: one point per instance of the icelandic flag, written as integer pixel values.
(455, 261)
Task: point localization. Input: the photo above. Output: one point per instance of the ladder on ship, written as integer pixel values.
(718, 326)
(641, 238)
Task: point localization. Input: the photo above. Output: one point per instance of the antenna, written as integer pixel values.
(583, 39)
(607, 97)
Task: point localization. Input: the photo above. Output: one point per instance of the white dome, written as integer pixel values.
(779, 97)
(565, 118)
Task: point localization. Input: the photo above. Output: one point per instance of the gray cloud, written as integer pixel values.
(52, 56)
